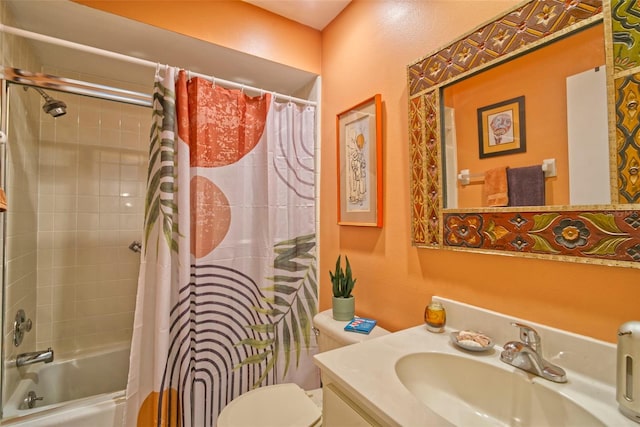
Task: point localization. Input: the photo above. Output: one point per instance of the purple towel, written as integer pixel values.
(526, 186)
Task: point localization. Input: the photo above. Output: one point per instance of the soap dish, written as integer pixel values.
(472, 340)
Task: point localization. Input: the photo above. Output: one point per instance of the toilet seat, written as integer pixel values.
(281, 405)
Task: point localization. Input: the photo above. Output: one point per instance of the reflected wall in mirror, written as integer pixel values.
(560, 123)
(595, 230)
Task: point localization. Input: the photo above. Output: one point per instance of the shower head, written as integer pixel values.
(54, 107)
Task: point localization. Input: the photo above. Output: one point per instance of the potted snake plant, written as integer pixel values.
(343, 283)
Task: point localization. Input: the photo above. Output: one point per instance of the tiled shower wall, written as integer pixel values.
(75, 193)
(75, 189)
(93, 164)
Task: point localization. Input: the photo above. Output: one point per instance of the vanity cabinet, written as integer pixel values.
(338, 410)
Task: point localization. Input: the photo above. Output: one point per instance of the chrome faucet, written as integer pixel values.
(527, 355)
(45, 356)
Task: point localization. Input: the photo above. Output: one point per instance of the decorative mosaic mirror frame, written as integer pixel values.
(608, 235)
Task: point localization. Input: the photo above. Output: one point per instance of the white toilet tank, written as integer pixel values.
(331, 333)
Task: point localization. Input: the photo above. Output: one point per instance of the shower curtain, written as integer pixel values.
(227, 288)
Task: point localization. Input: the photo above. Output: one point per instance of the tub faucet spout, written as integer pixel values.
(45, 356)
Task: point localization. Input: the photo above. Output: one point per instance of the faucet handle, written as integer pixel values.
(528, 335)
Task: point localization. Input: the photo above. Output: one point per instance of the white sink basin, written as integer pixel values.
(468, 392)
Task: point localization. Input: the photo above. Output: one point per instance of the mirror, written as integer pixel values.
(466, 114)
(561, 88)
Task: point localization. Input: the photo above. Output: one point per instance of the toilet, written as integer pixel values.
(285, 405)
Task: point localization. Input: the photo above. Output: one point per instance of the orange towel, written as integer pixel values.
(3, 201)
(495, 187)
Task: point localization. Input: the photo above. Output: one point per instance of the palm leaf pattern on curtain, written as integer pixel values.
(159, 203)
(291, 307)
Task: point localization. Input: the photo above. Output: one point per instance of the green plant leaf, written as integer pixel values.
(291, 266)
(281, 278)
(166, 187)
(286, 344)
(293, 252)
(607, 246)
(291, 325)
(254, 359)
(541, 244)
(542, 221)
(297, 240)
(295, 333)
(604, 222)
(268, 311)
(311, 300)
(305, 325)
(281, 289)
(311, 277)
(167, 155)
(268, 368)
(153, 158)
(152, 216)
(159, 205)
(266, 328)
(169, 204)
(257, 344)
(276, 300)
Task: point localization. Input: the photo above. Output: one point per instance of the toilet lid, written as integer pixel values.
(280, 405)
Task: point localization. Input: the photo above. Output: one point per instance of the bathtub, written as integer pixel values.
(87, 389)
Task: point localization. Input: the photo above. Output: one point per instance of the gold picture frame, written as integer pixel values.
(501, 128)
(359, 164)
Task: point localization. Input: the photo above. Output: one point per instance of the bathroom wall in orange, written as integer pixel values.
(230, 23)
(365, 51)
(540, 77)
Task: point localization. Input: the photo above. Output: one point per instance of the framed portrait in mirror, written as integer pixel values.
(501, 128)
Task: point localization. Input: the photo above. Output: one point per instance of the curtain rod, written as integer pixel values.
(131, 59)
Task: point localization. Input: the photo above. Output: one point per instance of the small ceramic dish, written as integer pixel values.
(472, 340)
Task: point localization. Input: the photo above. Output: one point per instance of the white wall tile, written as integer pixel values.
(65, 132)
(65, 204)
(89, 117)
(88, 221)
(89, 204)
(110, 119)
(89, 135)
(64, 222)
(109, 187)
(109, 204)
(109, 221)
(132, 189)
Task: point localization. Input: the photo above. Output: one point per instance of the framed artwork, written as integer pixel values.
(501, 128)
(359, 165)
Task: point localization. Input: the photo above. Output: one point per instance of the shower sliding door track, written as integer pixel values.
(47, 81)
